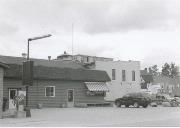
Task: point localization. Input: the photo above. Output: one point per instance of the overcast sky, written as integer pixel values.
(142, 30)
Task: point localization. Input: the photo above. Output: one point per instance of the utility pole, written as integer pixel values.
(72, 37)
(28, 114)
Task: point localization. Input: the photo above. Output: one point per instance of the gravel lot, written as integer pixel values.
(98, 116)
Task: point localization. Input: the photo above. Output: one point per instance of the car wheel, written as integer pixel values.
(136, 105)
(118, 104)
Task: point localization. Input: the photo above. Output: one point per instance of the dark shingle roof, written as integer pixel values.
(3, 65)
(42, 62)
(54, 73)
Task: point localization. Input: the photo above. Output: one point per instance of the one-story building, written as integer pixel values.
(56, 86)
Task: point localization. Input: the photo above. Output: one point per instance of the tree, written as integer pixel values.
(166, 70)
(153, 70)
(173, 70)
(169, 70)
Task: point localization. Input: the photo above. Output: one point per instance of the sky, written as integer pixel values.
(141, 30)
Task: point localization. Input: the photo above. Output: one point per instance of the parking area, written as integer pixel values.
(98, 116)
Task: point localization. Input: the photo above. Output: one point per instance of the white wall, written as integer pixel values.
(117, 87)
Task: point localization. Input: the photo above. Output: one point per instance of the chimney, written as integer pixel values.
(49, 58)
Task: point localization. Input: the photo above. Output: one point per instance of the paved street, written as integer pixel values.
(99, 116)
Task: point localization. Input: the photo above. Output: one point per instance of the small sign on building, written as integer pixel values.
(27, 73)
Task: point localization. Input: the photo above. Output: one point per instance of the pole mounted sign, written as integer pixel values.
(27, 80)
(27, 76)
(27, 73)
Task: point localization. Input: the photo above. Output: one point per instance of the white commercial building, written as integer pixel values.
(125, 77)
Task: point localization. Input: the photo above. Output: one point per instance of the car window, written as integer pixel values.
(125, 96)
(134, 95)
(131, 94)
(145, 95)
(139, 95)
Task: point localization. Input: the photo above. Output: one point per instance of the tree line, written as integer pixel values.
(169, 70)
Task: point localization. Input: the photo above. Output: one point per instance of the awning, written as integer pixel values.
(97, 86)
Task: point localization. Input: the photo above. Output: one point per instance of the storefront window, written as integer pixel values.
(96, 93)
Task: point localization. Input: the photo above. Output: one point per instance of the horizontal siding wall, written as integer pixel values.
(37, 92)
(9, 84)
(61, 88)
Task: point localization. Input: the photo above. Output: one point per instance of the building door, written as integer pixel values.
(70, 98)
(12, 94)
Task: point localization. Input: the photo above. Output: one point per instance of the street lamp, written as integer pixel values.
(28, 114)
(36, 38)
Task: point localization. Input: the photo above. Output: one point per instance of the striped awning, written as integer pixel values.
(97, 86)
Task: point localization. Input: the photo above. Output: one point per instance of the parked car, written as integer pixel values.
(161, 97)
(175, 102)
(153, 104)
(164, 97)
(177, 99)
(167, 99)
(135, 99)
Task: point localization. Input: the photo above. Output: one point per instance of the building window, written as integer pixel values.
(123, 75)
(96, 93)
(113, 74)
(85, 59)
(133, 76)
(50, 91)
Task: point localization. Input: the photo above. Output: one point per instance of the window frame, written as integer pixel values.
(113, 73)
(53, 91)
(133, 75)
(124, 76)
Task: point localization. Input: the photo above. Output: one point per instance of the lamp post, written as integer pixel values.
(27, 86)
(36, 38)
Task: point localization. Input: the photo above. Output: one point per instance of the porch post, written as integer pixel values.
(1, 91)
(2, 66)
